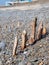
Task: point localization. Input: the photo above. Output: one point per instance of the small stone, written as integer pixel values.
(2, 45)
(9, 29)
(8, 62)
(22, 63)
(29, 63)
(35, 60)
(47, 39)
(40, 45)
(25, 52)
(41, 63)
(18, 24)
(0, 62)
(27, 44)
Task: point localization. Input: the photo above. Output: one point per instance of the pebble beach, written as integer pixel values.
(13, 20)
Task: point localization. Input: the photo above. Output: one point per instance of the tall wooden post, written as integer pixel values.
(32, 37)
(15, 46)
(23, 45)
(39, 33)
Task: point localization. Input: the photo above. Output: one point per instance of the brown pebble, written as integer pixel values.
(29, 63)
(41, 63)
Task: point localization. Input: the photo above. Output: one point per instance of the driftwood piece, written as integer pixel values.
(39, 33)
(15, 46)
(44, 31)
(32, 37)
(23, 45)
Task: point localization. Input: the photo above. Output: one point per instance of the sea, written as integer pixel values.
(4, 2)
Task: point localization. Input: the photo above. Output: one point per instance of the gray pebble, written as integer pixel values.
(22, 63)
(35, 60)
(2, 45)
(0, 62)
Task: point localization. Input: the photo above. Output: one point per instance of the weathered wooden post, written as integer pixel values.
(15, 46)
(39, 33)
(32, 37)
(23, 45)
